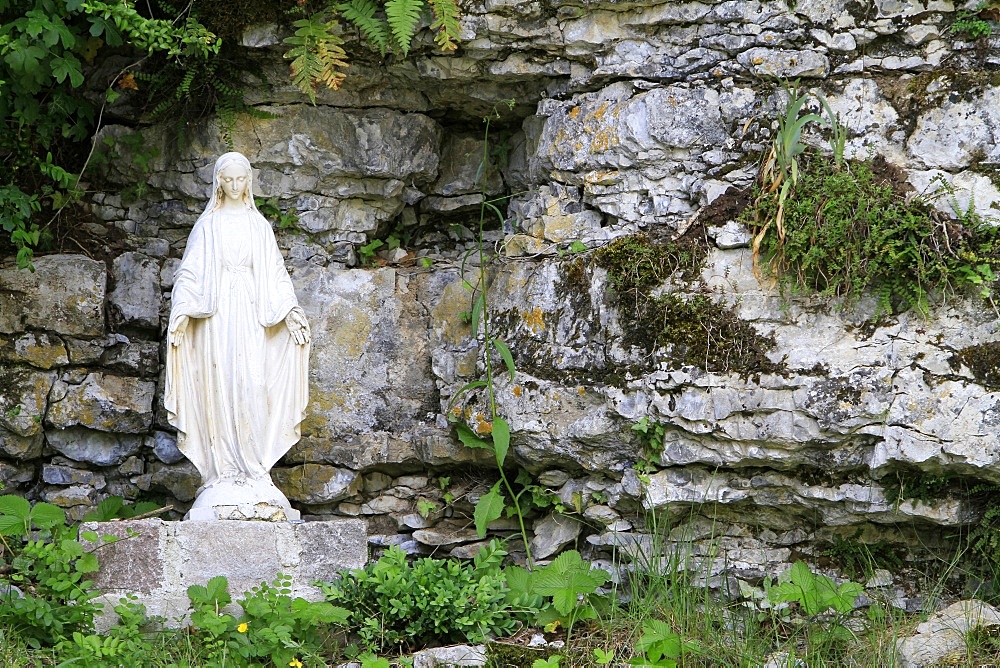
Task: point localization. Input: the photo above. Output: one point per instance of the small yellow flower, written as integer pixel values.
(295, 663)
(242, 628)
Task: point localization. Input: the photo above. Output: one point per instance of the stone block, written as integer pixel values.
(326, 547)
(247, 553)
(135, 299)
(104, 402)
(37, 349)
(64, 295)
(135, 561)
(96, 447)
(157, 561)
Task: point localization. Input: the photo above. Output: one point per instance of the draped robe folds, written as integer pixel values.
(237, 383)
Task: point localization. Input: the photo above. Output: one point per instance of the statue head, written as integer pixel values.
(232, 180)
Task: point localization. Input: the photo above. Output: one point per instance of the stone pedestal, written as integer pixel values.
(162, 559)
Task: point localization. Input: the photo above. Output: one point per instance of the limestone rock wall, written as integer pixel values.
(627, 117)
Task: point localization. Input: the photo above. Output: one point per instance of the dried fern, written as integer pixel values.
(362, 13)
(403, 17)
(445, 25)
(316, 55)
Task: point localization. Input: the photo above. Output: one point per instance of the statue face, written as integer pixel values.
(233, 180)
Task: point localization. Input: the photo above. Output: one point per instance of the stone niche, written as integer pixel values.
(630, 117)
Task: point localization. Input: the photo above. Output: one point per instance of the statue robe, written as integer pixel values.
(237, 385)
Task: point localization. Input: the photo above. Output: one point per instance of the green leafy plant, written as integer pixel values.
(816, 594)
(367, 252)
(369, 660)
(840, 229)
(425, 507)
(270, 209)
(493, 432)
(918, 485)
(317, 53)
(115, 507)
(659, 645)
(858, 559)
(391, 25)
(274, 626)
(984, 538)
(969, 24)
(282, 628)
(651, 438)
(53, 599)
(603, 657)
(47, 48)
(128, 641)
(559, 593)
(396, 603)
(780, 169)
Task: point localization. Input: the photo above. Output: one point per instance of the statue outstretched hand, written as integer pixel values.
(177, 333)
(298, 326)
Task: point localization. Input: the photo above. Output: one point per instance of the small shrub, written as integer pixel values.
(275, 626)
(398, 604)
(45, 596)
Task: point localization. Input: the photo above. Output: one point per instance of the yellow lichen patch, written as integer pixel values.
(481, 426)
(603, 140)
(321, 406)
(581, 390)
(574, 112)
(351, 334)
(600, 111)
(446, 316)
(517, 390)
(534, 320)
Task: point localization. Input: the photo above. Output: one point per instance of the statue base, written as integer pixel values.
(242, 499)
(157, 561)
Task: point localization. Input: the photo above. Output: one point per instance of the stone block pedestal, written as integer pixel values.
(162, 559)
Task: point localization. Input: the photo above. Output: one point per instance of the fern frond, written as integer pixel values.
(403, 16)
(306, 70)
(333, 57)
(316, 55)
(362, 14)
(446, 25)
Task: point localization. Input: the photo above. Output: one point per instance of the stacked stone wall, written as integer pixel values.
(627, 117)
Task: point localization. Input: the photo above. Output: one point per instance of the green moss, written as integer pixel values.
(909, 95)
(683, 329)
(983, 361)
(509, 655)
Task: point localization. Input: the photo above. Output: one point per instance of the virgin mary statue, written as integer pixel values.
(238, 353)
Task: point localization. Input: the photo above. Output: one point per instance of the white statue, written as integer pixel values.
(238, 353)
